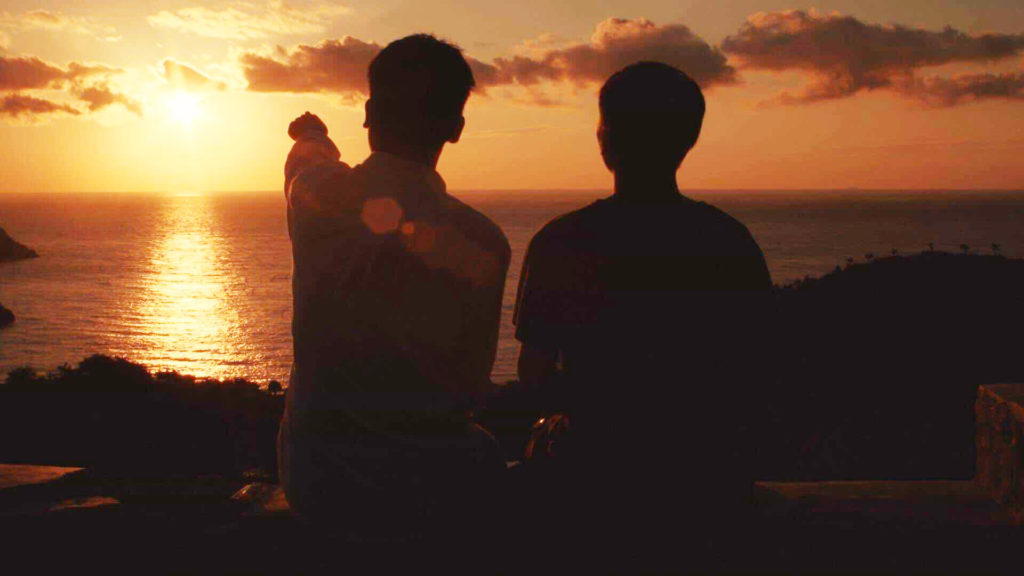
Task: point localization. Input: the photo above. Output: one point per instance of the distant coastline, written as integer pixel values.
(6, 316)
(11, 250)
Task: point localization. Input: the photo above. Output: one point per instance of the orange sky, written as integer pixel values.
(129, 95)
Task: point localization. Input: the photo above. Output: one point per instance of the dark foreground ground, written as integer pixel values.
(81, 523)
(883, 368)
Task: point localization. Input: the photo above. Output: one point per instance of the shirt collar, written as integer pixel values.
(398, 165)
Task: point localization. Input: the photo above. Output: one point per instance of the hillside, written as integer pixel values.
(880, 363)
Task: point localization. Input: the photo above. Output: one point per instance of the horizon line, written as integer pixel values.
(527, 190)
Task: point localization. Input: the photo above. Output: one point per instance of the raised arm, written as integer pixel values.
(312, 147)
(314, 182)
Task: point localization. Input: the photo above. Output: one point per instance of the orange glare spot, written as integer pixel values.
(381, 215)
(408, 228)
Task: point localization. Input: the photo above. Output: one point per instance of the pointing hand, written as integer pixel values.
(306, 125)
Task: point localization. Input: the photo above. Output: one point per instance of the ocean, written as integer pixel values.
(200, 283)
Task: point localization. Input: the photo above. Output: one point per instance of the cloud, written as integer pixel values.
(246, 20)
(21, 106)
(29, 72)
(847, 56)
(185, 77)
(339, 66)
(88, 83)
(615, 44)
(57, 22)
(99, 96)
(944, 92)
(26, 73)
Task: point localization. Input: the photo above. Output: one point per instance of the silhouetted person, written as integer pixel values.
(646, 311)
(397, 292)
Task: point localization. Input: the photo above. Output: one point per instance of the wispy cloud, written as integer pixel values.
(943, 92)
(185, 77)
(99, 96)
(57, 22)
(846, 56)
(246, 20)
(20, 106)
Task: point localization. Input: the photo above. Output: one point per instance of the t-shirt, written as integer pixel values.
(656, 310)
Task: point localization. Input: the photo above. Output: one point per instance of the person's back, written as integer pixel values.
(653, 304)
(397, 292)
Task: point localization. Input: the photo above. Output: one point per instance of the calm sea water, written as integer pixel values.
(200, 284)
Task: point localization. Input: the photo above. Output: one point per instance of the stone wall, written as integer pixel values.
(1000, 442)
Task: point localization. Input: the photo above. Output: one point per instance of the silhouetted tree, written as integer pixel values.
(931, 246)
(996, 248)
(869, 256)
(965, 248)
(274, 387)
(849, 262)
(20, 376)
(895, 252)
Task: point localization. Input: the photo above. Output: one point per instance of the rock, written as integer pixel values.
(11, 249)
(1000, 440)
(6, 316)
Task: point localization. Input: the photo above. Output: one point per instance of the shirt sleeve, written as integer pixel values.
(315, 189)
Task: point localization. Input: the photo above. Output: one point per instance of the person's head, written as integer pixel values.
(418, 88)
(651, 114)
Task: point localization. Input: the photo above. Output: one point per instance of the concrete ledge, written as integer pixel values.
(13, 475)
(999, 413)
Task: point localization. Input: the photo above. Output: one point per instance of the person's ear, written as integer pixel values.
(604, 142)
(458, 125)
(371, 112)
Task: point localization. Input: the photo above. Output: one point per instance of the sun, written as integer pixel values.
(184, 109)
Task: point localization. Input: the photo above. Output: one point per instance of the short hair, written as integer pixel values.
(422, 75)
(652, 110)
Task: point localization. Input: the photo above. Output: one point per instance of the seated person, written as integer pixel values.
(648, 308)
(397, 292)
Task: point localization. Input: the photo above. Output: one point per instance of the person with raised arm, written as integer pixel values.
(397, 291)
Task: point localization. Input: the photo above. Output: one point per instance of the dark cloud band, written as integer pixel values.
(339, 66)
(846, 56)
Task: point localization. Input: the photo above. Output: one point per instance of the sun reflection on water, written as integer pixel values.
(185, 315)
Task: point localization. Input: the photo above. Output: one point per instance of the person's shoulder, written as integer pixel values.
(715, 216)
(477, 226)
(563, 227)
(318, 184)
(725, 225)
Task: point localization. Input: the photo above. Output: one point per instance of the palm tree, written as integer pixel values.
(931, 246)
(965, 248)
(996, 248)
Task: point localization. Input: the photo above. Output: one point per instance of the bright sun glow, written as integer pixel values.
(184, 109)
